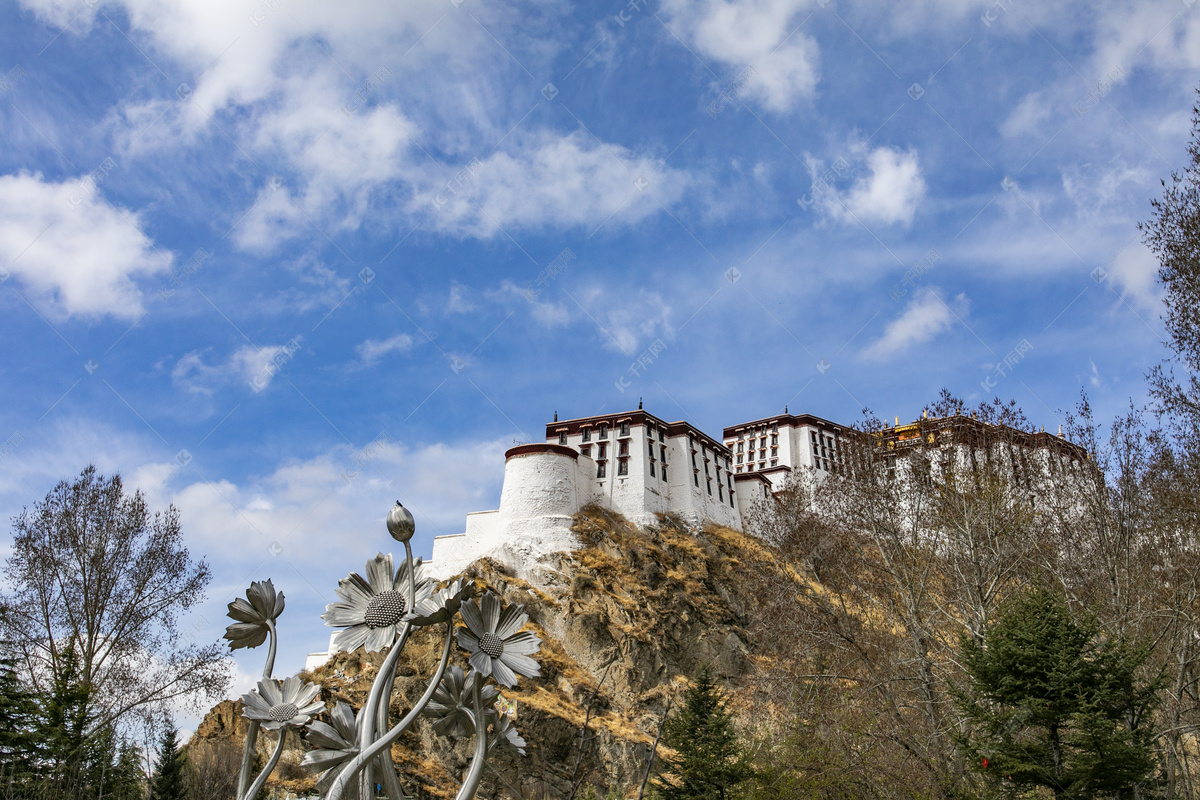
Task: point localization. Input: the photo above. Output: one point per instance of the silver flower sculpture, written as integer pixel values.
(254, 616)
(498, 646)
(373, 608)
(277, 705)
(335, 742)
(503, 733)
(442, 605)
(450, 707)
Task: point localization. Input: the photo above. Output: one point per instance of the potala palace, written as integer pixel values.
(639, 466)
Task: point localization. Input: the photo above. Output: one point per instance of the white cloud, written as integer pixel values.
(545, 178)
(545, 312)
(924, 318)
(1135, 271)
(78, 255)
(631, 321)
(251, 367)
(372, 350)
(890, 194)
(760, 34)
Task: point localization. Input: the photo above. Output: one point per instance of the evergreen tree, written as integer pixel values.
(1054, 705)
(63, 728)
(18, 714)
(168, 783)
(125, 780)
(708, 761)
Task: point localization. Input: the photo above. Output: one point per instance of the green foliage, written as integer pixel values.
(709, 761)
(168, 783)
(1053, 705)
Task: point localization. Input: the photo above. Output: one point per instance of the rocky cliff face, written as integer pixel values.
(624, 621)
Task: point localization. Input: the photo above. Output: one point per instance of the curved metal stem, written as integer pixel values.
(268, 769)
(366, 735)
(475, 773)
(385, 741)
(251, 743)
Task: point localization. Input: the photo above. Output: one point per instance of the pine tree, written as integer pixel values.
(18, 713)
(168, 783)
(708, 761)
(1053, 705)
(63, 728)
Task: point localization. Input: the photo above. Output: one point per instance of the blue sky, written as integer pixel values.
(282, 263)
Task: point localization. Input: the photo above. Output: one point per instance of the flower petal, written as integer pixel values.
(379, 573)
(481, 662)
(522, 665)
(342, 615)
(352, 638)
(512, 619)
(503, 675)
(474, 619)
(490, 610)
(467, 640)
(271, 692)
(525, 642)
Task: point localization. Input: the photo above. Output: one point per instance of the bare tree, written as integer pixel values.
(97, 585)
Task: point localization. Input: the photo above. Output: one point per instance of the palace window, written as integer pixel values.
(739, 469)
(721, 492)
(623, 448)
(710, 487)
(587, 434)
(775, 438)
(662, 451)
(696, 476)
(739, 459)
(774, 451)
(625, 428)
(651, 466)
(664, 472)
(623, 466)
(585, 450)
(602, 432)
(600, 471)
(603, 450)
(662, 435)
(562, 438)
(740, 447)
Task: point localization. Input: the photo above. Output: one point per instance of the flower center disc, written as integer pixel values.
(491, 644)
(283, 712)
(385, 608)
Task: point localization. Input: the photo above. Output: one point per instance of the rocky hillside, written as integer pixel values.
(624, 622)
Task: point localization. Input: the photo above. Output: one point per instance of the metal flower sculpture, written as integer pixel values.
(450, 707)
(372, 609)
(336, 744)
(277, 704)
(255, 616)
(379, 613)
(498, 646)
